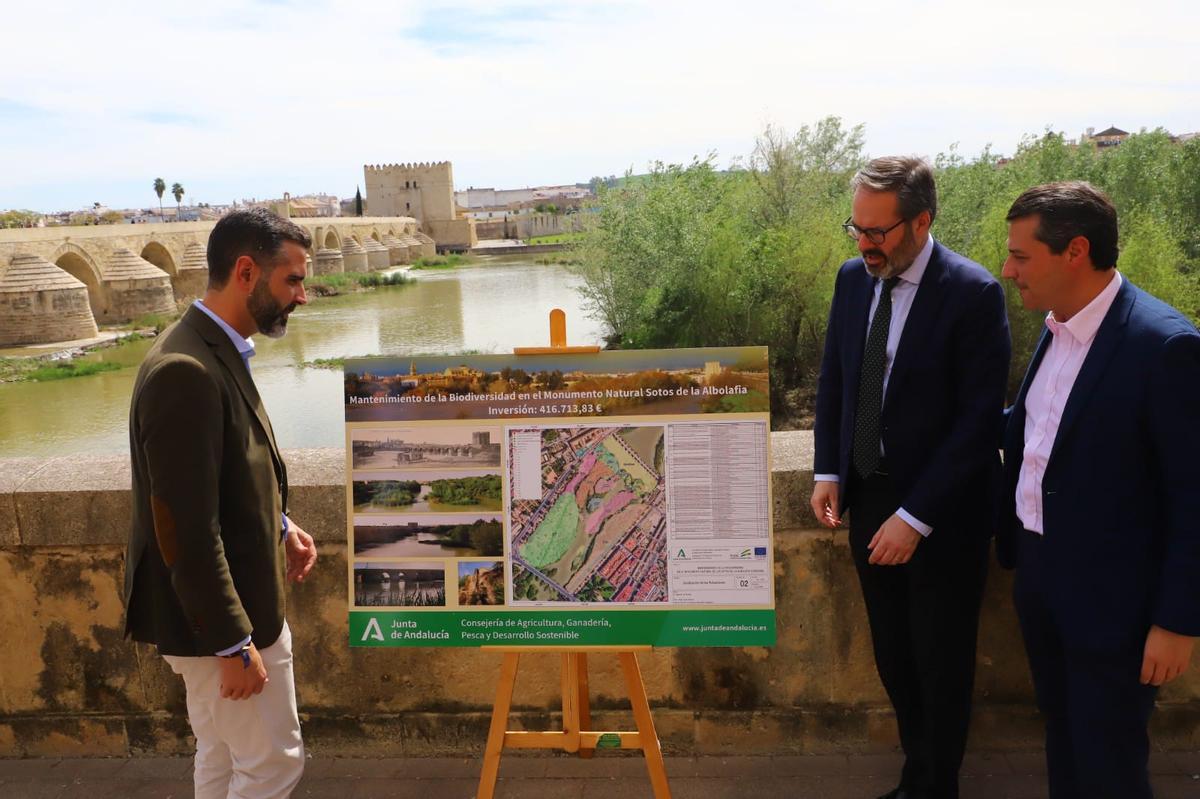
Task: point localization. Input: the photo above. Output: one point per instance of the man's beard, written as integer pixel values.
(901, 258)
(270, 317)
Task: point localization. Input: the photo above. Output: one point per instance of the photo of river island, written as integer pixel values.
(431, 535)
(415, 491)
(400, 584)
(425, 447)
(678, 381)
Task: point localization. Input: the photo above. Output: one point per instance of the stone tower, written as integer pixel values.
(422, 191)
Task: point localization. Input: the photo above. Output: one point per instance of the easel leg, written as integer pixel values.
(495, 742)
(570, 702)
(645, 725)
(585, 713)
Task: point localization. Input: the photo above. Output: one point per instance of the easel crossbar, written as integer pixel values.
(576, 717)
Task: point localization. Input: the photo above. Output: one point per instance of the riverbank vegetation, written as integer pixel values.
(37, 370)
(690, 256)
(557, 238)
(447, 261)
(337, 283)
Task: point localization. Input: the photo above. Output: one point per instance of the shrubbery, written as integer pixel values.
(693, 257)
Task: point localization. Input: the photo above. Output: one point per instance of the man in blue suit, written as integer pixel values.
(912, 380)
(1101, 513)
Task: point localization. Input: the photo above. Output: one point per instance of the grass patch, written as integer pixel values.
(443, 261)
(346, 282)
(558, 238)
(68, 369)
(132, 338)
(324, 363)
(156, 321)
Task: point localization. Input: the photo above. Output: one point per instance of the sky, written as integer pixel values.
(251, 98)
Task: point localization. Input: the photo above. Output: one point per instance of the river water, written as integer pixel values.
(492, 306)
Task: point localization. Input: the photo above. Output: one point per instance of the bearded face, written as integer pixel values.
(884, 264)
(269, 314)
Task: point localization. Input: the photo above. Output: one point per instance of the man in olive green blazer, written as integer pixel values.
(210, 540)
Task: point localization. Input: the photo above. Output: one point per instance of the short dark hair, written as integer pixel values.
(911, 178)
(1069, 209)
(256, 232)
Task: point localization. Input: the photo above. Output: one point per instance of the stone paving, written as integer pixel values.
(985, 776)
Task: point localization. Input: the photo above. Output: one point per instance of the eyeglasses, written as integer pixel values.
(875, 235)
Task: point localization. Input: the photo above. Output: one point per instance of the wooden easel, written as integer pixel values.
(576, 714)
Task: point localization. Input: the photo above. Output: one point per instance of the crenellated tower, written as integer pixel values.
(424, 191)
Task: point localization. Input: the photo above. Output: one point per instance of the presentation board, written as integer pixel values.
(615, 498)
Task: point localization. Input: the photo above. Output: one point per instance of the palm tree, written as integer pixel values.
(177, 190)
(160, 186)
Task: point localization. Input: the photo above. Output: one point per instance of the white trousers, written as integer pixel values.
(245, 748)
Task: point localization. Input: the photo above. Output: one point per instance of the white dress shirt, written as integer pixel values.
(1069, 344)
(903, 294)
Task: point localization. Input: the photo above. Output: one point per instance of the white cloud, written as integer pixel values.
(240, 99)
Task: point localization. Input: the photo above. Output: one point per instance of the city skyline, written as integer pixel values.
(251, 99)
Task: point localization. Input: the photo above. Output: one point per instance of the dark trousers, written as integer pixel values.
(1095, 707)
(924, 617)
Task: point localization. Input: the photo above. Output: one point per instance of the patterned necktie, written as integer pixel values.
(865, 455)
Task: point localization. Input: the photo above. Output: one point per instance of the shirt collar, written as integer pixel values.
(245, 346)
(1084, 325)
(914, 273)
(916, 270)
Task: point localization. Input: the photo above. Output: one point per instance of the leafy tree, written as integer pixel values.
(177, 191)
(358, 204)
(160, 186)
(18, 218)
(689, 256)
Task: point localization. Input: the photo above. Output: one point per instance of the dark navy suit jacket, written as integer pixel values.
(943, 396)
(1121, 492)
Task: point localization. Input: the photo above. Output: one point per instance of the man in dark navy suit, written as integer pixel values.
(1101, 511)
(912, 381)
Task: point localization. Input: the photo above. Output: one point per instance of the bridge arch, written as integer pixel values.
(79, 264)
(161, 257)
(332, 242)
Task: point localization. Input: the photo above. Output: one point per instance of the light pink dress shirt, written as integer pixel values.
(1070, 342)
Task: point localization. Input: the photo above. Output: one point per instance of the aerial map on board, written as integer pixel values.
(589, 525)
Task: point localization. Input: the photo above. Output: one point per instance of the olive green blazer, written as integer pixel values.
(205, 564)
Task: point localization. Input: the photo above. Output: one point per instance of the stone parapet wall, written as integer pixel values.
(69, 683)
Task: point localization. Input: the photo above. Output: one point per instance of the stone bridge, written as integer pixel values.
(58, 283)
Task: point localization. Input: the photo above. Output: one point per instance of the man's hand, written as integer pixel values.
(301, 553)
(894, 543)
(241, 681)
(1167, 655)
(825, 503)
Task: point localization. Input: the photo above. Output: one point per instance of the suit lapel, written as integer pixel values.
(1108, 339)
(922, 317)
(1015, 432)
(856, 337)
(232, 360)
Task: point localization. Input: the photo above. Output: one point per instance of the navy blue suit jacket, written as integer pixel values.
(1121, 492)
(943, 396)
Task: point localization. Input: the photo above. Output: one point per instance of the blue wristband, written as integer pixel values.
(245, 654)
